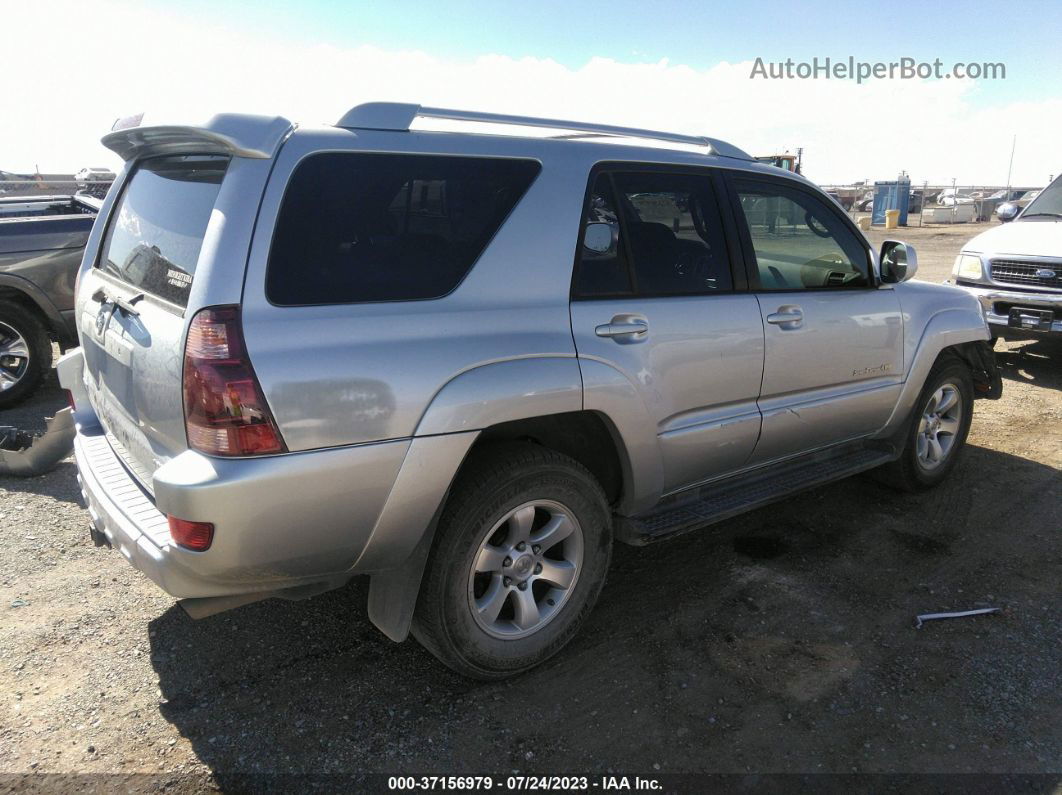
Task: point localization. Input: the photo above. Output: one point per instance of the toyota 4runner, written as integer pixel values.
(465, 362)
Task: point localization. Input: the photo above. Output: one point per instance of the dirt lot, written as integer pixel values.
(783, 641)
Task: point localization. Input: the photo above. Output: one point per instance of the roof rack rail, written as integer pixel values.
(399, 116)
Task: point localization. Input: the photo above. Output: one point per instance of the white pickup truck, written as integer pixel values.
(1015, 270)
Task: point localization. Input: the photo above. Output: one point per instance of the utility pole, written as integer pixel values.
(1010, 168)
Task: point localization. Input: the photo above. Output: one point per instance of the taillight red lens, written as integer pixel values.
(196, 536)
(224, 410)
(70, 399)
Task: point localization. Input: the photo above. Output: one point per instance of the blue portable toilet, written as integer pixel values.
(891, 195)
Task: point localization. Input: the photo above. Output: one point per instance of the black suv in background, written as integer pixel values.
(41, 242)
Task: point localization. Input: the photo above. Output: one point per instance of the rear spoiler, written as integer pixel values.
(237, 134)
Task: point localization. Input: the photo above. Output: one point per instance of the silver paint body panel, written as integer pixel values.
(380, 403)
(697, 370)
(831, 377)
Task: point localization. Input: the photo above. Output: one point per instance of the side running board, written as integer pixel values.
(705, 505)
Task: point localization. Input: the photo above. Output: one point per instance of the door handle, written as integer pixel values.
(622, 328)
(786, 316)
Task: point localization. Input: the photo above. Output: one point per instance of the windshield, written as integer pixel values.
(157, 227)
(1048, 203)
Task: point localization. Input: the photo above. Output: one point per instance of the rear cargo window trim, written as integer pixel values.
(112, 216)
(289, 173)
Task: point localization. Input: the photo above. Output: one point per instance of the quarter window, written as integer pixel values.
(799, 243)
(356, 227)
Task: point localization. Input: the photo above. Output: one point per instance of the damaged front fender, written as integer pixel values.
(981, 359)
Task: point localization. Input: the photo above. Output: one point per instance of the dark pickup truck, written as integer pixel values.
(41, 242)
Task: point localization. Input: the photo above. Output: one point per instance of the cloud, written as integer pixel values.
(94, 62)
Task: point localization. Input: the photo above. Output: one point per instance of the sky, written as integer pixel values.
(679, 66)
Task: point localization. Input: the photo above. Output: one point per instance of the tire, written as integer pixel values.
(915, 470)
(25, 353)
(485, 518)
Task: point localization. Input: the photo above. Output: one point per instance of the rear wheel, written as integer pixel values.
(25, 353)
(937, 429)
(520, 556)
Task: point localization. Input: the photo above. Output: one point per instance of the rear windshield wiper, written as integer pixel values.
(127, 306)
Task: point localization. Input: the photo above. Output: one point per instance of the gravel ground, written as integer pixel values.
(782, 641)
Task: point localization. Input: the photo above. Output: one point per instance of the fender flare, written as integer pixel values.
(398, 547)
(512, 389)
(946, 329)
(40, 299)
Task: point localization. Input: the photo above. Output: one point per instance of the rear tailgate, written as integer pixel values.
(132, 305)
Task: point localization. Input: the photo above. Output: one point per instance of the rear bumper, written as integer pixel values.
(995, 302)
(280, 521)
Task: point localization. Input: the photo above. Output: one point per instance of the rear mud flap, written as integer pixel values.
(24, 455)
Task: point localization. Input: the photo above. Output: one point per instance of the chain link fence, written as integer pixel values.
(937, 204)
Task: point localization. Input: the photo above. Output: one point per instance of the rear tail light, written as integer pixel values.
(224, 410)
(70, 399)
(196, 536)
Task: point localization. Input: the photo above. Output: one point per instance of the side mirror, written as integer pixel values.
(899, 262)
(1007, 211)
(600, 238)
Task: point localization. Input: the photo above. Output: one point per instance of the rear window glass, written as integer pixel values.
(357, 227)
(157, 227)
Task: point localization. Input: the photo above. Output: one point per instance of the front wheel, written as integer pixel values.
(937, 429)
(520, 556)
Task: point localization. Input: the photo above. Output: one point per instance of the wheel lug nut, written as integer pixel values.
(521, 546)
(522, 586)
(507, 581)
(507, 562)
(538, 568)
(536, 549)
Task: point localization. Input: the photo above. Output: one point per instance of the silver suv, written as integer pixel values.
(465, 362)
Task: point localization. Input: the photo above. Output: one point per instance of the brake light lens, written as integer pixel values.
(225, 412)
(196, 536)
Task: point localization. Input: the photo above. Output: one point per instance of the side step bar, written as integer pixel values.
(705, 505)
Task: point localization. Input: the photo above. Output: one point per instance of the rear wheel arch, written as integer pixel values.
(584, 436)
(588, 437)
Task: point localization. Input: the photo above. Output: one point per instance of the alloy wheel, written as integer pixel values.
(525, 569)
(14, 357)
(938, 427)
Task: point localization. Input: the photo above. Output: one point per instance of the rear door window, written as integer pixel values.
(357, 227)
(157, 227)
(674, 233)
(603, 271)
(654, 234)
